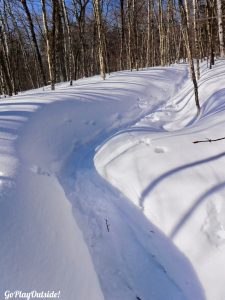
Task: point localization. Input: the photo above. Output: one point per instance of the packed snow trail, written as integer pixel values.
(56, 192)
(132, 259)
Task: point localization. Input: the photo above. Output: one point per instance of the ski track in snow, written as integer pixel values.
(55, 153)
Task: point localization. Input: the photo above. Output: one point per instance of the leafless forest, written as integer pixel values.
(49, 41)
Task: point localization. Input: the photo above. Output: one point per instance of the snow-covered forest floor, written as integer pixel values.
(104, 195)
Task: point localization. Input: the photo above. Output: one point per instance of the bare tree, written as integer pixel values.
(50, 40)
(161, 34)
(122, 36)
(186, 30)
(195, 15)
(209, 15)
(34, 40)
(5, 76)
(98, 18)
(71, 57)
(150, 33)
(220, 27)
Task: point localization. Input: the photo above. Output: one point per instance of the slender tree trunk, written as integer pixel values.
(161, 35)
(122, 36)
(129, 21)
(25, 58)
(149, 45)
(5, 45)
(61, 71)
(185, 17)
(70, 42)
(220, 27)
(80, 13)
(34, 40)
(100, 38)
(209, 29)
(195, 13)
(50, 43)
(6, 75)
(135, 30)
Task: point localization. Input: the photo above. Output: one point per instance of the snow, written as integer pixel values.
(103, 194)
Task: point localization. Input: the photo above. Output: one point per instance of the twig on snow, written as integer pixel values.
(209, 140)
(107, 224)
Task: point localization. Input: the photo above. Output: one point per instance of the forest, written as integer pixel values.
(48, 41)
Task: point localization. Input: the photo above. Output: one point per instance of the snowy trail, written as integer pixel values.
(125, 258)
(110, 249)
(133, 258)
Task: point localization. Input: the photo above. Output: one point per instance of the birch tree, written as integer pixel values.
(195, 16)
(150, 33)
(220, 27)
(50, 40)
(101, 52)
(185, 17)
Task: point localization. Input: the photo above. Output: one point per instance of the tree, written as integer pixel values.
(196, 38)
(101, 52)
(161, 35)
(34, 40)
(185, 17)
(220, 27)
(50, 40)
(71, 57)
(209, 14)
(150, 34)
(122, 36)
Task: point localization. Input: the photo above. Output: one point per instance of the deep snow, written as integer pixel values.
(63, 227)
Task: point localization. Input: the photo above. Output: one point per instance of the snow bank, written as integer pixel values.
(41, 246)
(179, 185)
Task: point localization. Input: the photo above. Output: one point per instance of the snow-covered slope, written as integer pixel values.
(65, 228)
(179, 185)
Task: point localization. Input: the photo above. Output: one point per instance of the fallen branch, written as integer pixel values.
(107, 224)
(209, 140)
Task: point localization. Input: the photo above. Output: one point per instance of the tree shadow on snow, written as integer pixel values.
(176, 170)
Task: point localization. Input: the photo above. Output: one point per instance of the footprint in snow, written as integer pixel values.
(160, 150)
(91, 122)
(146, 141)
(38, 170)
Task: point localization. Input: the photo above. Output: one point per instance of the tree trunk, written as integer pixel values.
(50, 44)
(195, 13)
(6, 76)
(70, 42)
(136, 51)
(129, 21)
(220, 28)
(209, 29)
(122, 36)
(61, 71)
(25, 59)
(6, 52)
(34, 40)
(100, 38)
(161, 35)
(185, 17)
